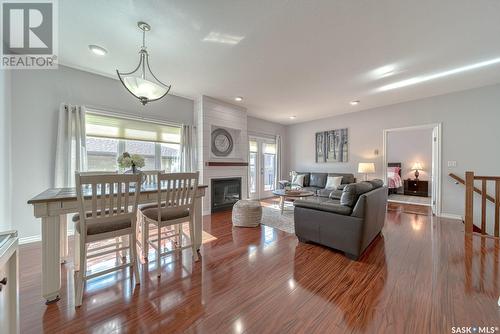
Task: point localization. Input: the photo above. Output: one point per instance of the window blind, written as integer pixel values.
(253, 146)
(269, 148)
(121, 128)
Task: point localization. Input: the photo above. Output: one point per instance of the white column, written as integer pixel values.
(51, 254)
(64, 238)
(198, 222)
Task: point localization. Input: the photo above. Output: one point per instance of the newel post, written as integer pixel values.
(469, 201)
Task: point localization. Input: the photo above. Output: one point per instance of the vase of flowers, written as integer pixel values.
(133, 161)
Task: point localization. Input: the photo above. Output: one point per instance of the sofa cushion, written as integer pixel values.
(333, 182)
(329, 193)
(352, 191)
(342, 186)
(336, 194)
(298, 180)
(318, 180)
(307, 176)
(323, 204)
(323, 192)
(346, 177)
(376, 183)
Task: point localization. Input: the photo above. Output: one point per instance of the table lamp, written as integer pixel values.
(366, 168)
(416, 167)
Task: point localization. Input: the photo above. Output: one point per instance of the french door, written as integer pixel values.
(261, 167)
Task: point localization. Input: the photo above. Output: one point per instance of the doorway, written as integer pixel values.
(416, 179)
(261, 167)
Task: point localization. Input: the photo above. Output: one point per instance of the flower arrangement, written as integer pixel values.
(126, 160)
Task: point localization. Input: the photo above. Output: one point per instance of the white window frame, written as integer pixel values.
(121, 142)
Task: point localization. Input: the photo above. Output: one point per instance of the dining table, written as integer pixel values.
(52, 207)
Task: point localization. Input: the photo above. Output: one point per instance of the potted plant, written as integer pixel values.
(133, 161)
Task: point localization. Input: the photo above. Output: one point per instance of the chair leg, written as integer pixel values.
(158, 252)
(125, 242)
(178, 231)
(145, 238)
(76, 255)
(133, 257)
(191, 236)
(80, 276)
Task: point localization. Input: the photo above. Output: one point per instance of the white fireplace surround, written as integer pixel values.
(211, 113)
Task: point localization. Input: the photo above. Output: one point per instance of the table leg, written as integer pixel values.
(198, 222)
(51, 255)
(282, 203)
(64, 238)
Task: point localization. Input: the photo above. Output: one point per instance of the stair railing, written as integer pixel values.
(470, 188)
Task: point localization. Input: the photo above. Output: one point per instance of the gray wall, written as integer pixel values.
(5, 106)
(470, 121)
(408, 147)
(36, 96)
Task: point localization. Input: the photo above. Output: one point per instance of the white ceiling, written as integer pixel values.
(291, 57)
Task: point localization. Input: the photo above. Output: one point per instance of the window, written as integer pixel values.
(252, 166)
(170, 157)
(102, 154)
(108, 137)
(269, 151)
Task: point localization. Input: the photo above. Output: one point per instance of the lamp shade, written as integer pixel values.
(366, 167)
(142, 88)
(417, 166)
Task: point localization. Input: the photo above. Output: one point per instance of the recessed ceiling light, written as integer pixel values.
(424, 78)
(354, 103)
(98, 50)
(292, 117)
(238, 99)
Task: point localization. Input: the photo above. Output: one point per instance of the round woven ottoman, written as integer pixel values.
(247, 213)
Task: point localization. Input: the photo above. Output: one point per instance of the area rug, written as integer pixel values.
(272, 217)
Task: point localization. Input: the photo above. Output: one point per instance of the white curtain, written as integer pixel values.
(279, 153)
(187, 149)
(71, 153)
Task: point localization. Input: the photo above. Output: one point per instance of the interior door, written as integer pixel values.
(261, 167)
(435, 176)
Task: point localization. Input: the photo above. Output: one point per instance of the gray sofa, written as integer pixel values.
(316, 183)
(348, 224)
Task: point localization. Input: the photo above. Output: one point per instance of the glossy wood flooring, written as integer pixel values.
(420, 276)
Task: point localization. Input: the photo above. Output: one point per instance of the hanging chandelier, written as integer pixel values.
(141, 82)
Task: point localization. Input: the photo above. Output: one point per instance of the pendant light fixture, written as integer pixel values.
(141, 82)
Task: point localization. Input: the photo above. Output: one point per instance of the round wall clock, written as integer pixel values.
(222, 142)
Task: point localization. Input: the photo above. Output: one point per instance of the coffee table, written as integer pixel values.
(283, 194)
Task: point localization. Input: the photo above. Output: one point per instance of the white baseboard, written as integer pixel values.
(451, 216)
(28, 240)
(36, 238)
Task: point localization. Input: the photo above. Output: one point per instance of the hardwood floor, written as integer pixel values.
(419, 276)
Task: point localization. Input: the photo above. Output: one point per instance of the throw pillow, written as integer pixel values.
(333, 182)
(298, 180)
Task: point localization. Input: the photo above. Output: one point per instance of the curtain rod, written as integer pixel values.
(122, 114)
